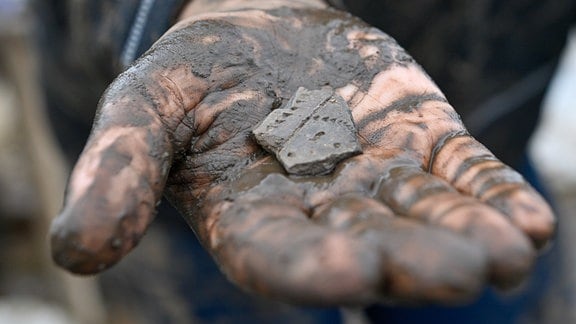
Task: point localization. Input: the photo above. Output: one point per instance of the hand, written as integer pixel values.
(425, 214)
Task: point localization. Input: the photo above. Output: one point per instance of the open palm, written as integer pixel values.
(425, 213)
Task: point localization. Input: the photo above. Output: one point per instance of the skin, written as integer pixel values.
(425, 214)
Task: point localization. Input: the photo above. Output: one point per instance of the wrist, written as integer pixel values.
(197, 7)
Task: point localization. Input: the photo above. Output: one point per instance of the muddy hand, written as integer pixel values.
(425, 214)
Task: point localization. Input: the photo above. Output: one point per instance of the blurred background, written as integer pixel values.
(32, 177)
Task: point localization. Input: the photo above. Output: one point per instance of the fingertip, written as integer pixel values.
(71, 255)
(448, 270)
(509, 251)
(530, 213)
(512, 261)
(542, 230)
(85, 249)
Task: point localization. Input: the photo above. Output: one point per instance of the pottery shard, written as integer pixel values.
(311, 133)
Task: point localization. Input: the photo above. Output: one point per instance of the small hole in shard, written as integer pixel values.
(290, 154)
(318, 135)
(277, 103)
(337, 145)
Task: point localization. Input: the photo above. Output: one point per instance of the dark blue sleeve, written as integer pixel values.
(152, 18)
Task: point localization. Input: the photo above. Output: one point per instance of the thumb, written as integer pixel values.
(119, 178)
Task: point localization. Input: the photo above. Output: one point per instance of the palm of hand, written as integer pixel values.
(425, 213)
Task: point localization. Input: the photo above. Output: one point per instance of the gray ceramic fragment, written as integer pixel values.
(311, 133)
